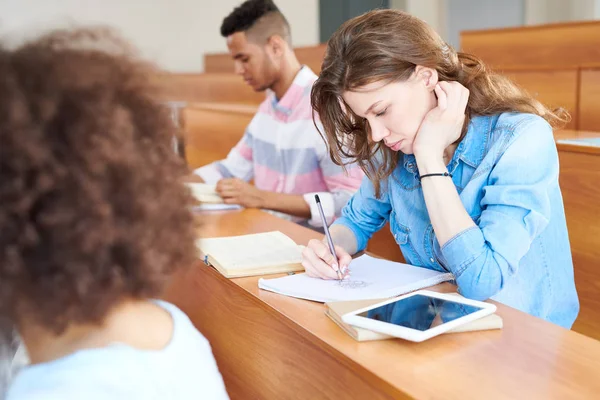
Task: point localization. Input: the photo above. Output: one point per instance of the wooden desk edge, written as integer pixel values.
(368, 375)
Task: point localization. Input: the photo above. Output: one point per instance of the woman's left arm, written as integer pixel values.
(516, 208)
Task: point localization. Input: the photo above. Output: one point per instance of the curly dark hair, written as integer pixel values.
(92, 211)
(244, 16)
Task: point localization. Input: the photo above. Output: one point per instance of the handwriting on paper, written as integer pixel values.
(352, 284)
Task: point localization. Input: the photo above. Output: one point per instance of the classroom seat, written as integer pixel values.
(312, 56)
(206, 88)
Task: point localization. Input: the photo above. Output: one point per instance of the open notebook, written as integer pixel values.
(255, 254)
(335, 310)
(370, 278)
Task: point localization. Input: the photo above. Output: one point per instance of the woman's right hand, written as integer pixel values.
(318, 261)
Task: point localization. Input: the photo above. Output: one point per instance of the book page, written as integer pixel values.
(251, 251)
(204, 193)
(370, 278)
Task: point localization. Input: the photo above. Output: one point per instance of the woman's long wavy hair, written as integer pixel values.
(386, 46)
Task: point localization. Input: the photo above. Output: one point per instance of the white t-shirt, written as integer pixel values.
(184, 369)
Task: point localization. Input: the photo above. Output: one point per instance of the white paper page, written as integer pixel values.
(252, 251)
(371, 278)
(216, 207)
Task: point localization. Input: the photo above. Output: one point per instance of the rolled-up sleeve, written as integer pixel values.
(516, 209)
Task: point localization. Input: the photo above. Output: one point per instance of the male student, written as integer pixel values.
(281, 149)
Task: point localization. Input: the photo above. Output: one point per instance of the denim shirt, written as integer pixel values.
(506, 173)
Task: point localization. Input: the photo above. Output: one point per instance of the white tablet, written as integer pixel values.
(420, 315)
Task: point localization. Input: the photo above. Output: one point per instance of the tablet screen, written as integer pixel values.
(420, 312)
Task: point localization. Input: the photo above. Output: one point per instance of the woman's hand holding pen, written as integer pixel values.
(318, 261)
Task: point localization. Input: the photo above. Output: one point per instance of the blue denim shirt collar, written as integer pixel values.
(469, 151)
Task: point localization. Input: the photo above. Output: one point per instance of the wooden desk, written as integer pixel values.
(270, 346)
(579, 178)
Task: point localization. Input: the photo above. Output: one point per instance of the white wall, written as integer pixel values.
(483, 14)
(431, 11)
(449, 17)
(174, 34)
(548, 11)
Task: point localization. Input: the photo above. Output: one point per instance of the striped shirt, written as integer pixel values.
(283, 152)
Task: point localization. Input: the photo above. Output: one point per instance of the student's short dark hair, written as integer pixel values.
(92, 211)
(245, 16)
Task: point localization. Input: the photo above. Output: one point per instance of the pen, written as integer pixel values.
(328, 235)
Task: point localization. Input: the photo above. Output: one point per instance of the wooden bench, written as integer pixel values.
(311, 56)
(553, 87)
(219, 84)
(560, 63)
(589, 98)
(571, 44)
(206, 88)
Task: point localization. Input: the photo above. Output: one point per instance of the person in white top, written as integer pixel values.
(94, 222)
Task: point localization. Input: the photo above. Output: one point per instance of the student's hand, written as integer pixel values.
(237, 191)
(442, 125)
(318, 261)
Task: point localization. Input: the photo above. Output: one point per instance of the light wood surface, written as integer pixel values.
(307, 55)
(579, 181)
(213, 129)
(384, 245)
(558, 62)
(270, 346)
(589, 109)
(216, 87)
(557, 45)
(218, 62)
(554, 88)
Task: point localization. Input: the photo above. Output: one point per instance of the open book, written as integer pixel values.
(336, 309)
(208, 199)
(255, 254)
(204, 193)
(370, 278)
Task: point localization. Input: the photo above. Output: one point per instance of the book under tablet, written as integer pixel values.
(370, 278)
(335, 310)
(255, 254)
